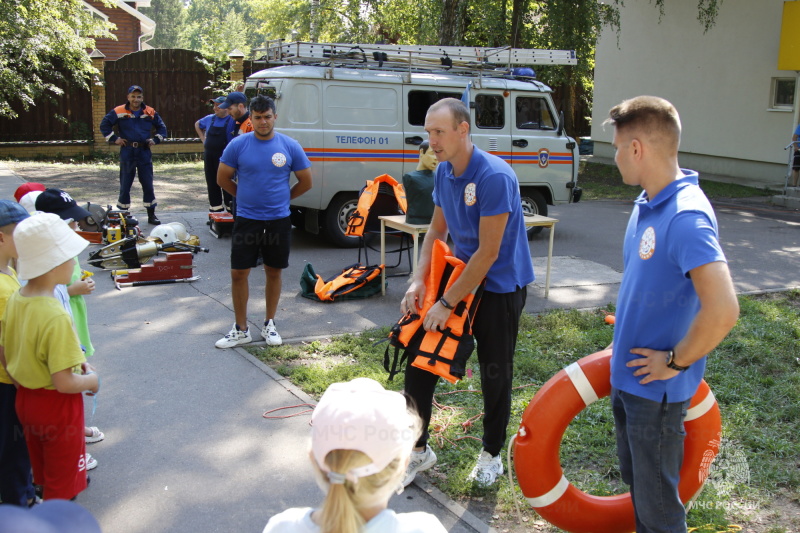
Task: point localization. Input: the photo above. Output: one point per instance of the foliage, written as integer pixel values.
(707, 11)
(169, 17)
(217, 27)
(754, 373)
(43, 49)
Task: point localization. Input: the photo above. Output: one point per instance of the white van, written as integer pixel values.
(359, 116)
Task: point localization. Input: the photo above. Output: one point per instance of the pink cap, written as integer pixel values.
(361, 415)
(25, 188)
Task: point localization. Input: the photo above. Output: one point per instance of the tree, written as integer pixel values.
(43, 44)
(217, 27)
(168, 16)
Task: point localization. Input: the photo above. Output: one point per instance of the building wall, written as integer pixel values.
(127, 32)
(720, 82)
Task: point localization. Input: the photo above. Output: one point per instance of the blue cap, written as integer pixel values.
(135, 88)
(217, 100)
(52, 516)
(11, 213)
(233, 98)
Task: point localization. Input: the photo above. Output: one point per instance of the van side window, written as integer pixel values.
(534, 114)
(420, 101)
(490, 111)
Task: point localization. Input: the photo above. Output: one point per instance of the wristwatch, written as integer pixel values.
(671, 363)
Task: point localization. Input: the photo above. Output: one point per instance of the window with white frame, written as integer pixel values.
(783, 90)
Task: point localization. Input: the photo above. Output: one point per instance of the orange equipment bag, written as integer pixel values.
(356, 222)
(443, 352)
(352, 278)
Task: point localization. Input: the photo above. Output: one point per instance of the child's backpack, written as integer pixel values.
(444, 352)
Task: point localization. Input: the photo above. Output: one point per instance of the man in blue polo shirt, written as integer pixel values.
(476, 200)
(675, 304)
(263, 162)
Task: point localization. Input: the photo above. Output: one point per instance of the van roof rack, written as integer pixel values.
(412, 58)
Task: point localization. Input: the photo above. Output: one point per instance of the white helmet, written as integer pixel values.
(172, 232)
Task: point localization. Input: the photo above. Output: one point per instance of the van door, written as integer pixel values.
(539, 155)
(490, 120)
(362, 139)
(300, 117)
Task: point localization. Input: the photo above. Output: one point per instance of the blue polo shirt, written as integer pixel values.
(488, 187)
(263, 170)
(666, 238)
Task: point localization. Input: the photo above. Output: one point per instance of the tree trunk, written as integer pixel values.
(451, 32)
(517, 19)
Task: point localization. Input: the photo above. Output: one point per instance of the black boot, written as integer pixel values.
(151, 216)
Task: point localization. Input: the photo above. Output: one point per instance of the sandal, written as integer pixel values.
(96, 436)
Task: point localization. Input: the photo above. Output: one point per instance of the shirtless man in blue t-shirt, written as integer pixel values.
(262, 161)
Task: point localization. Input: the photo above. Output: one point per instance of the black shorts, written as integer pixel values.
(796, 161)
(270, 238)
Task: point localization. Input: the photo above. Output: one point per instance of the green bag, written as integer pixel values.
(419, 196)
(356, 287)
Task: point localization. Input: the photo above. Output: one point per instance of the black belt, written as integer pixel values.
(143, 145)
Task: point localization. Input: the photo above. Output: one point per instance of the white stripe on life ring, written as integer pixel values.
(581, 383)
(701, 408)
(552, 496)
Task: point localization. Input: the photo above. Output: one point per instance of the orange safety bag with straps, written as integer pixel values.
(443, 352)
(355, 281)
(356, 222)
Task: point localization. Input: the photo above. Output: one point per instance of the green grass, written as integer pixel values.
(754, 373)
(604, 182)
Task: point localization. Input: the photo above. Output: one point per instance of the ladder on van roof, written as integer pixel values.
(455, 59)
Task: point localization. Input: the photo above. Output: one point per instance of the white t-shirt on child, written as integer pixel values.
(298, 520)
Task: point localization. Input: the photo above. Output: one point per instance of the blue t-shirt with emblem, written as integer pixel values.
(666, 238)
(488, 187)
(263, 170)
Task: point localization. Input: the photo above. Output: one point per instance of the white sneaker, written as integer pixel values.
(486, 469)
(419, 461)
(270, 334)
(235, 337)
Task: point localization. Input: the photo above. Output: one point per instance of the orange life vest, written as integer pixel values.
(124, 112)
(352, 278)
(244, 127)
(444, 352)
(356, 222)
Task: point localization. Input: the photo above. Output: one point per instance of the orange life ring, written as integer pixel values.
(537, 443)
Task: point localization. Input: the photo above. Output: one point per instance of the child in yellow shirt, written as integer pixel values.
(44, 356)
(16, 485)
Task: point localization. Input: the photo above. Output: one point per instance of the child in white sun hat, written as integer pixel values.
(43, 355)
(361, 440)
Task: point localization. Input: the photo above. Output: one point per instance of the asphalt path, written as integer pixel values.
(187, 448)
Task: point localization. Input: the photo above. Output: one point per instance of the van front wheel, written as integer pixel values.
(533, 203)
(336, 216)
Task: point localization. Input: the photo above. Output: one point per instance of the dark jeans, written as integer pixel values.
(131, 161)
(16, 483)
(495, 330)
(650, 439)
(217, 197)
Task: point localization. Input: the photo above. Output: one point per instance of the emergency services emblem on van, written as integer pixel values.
(278, 159)
(647, 246)
(469, 194)
(544, 157)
